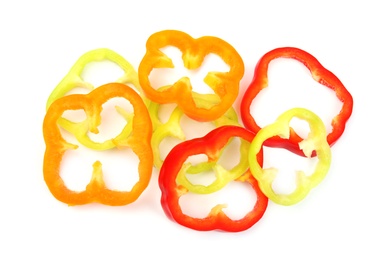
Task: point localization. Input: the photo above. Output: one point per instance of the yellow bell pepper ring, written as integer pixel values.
(173, 128)
(315, 143)
(73, 78)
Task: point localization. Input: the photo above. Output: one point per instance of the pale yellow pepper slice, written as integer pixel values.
(315, 142)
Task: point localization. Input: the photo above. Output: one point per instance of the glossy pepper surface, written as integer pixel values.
(224, 84)
(73, 80)
(56, 146)
(319, 74)
(173, 128)
(316, 141)
(210, 144)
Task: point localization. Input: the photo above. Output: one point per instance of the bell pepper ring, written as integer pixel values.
(74, 79)
(56, 146)
(210, 144)
(214, 143)
(223, 176)
(319, 74)
(224, 84)
(316, 141)
(172, 127)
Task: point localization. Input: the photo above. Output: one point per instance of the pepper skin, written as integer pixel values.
(211, 144)
(319, 74)
(224, 84)
(316, 141)
(172, 127)
(56, 146)
(73, 80)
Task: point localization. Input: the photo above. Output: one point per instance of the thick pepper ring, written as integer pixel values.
(73, 80)
(172, 190)
(316, 141)
(172, 127)
(319, 74)
(224, 84)
(56, 146)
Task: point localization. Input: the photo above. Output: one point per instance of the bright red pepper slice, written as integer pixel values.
(319, 74)
(210, 144)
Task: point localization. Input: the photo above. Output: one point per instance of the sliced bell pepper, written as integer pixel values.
(172, 127)
(224, 84)
(319, 74)
(73, 80)
(211, 144)
(56, 146)
(316, 141)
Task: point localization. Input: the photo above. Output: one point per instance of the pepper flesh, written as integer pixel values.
(172, 127)
(56, 146)
(172, 190)
(73, 79)
(316, 141)
(319, 74)
(224, 84)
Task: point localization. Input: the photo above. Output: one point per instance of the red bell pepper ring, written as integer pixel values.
(319, 74)
(210, 144)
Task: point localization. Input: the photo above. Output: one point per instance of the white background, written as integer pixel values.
(346, 216)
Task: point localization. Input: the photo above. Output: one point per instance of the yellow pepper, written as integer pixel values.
(315, 142)
(73, 80)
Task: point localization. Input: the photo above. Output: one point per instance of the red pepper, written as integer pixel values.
(319, 74)
(211, 145)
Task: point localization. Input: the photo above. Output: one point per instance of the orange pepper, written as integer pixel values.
(224, 84)
(139, 141)
(74, 79)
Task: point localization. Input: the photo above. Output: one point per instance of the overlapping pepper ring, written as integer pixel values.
(224, 84)
(319, 74)
(222, 175)
(143, 129)
(74, 80)
(172, 127)
(315, 141)
(211, 144)
(56, 146)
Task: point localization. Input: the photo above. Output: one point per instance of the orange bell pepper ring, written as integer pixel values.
(139, 141)
(224, 84)
(74, 79)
